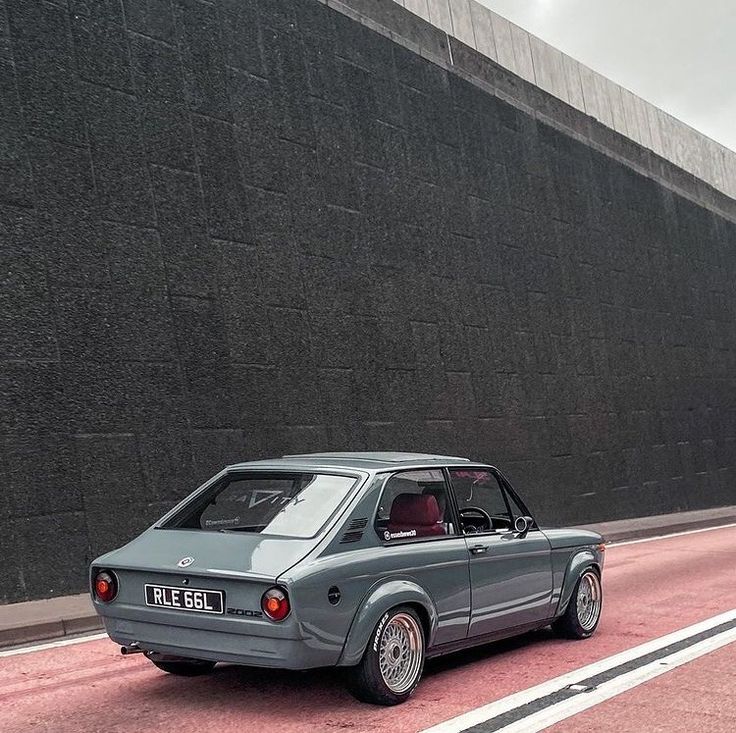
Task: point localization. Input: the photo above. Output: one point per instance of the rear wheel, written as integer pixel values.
(183, 666)
(584, 609)
(393, 661)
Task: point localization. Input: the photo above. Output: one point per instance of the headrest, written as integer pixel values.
(438, 492)
(415, 509)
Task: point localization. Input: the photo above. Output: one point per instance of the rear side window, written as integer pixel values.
(414, 504)
(288, 505)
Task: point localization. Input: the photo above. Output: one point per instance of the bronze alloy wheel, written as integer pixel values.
(589, 600)
(401, 650)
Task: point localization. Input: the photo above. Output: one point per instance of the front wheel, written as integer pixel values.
(393, 661)
(583, 612)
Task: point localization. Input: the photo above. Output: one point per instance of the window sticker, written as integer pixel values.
(221, 522)
(399, 535)
(254, 497)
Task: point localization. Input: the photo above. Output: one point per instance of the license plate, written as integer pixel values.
(185, 599)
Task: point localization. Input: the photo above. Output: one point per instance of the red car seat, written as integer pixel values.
(418, 512)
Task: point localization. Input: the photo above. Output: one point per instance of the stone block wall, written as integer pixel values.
(237, 229)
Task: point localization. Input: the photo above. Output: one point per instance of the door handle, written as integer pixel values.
(478, 549)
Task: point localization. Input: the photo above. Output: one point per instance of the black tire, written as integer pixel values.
(184, 667)
(366, 681)
(569, 625)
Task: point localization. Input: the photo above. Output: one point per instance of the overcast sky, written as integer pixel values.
(678, 54)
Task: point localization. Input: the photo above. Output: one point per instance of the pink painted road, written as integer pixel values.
(701, 696)
(652, 588)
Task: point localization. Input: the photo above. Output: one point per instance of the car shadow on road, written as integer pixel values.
(263, 690)
(485, 652)
(315, 700)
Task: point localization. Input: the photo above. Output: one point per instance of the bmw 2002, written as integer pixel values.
(368, 561)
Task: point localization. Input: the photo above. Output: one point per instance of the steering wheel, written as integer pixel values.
(482, 513)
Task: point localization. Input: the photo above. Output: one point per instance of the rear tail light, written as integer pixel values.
(275, 604)
(105, 586)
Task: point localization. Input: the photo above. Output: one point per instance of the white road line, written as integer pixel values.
(667, 536)
(582, 701)
(491, 710)
(52, 645)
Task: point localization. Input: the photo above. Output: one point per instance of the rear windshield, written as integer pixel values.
(288, 505)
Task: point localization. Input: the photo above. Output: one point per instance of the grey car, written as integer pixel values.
(368, 561)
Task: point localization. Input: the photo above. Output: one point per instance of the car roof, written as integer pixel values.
(370, 461)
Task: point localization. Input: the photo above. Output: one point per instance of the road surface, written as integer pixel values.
(652, 589)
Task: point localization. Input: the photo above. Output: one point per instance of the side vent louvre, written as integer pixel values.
(354, 531)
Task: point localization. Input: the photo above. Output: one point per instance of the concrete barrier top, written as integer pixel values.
(579, 86)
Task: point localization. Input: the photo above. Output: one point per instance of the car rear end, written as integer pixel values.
(200, 585)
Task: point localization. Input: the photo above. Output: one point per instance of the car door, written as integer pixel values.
(510, 572)
(417, 526)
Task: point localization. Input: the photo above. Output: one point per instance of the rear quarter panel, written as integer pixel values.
(432, 574)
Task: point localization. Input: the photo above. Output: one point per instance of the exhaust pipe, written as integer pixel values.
(130, 649)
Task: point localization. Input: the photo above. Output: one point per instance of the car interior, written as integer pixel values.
(418, 514)
(481, 502)
(416, 504)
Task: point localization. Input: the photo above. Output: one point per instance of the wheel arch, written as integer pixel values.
(381, 598)
(424, 618)
(579, 562)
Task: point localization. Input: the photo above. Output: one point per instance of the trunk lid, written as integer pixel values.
(228, 572)
(227, 554)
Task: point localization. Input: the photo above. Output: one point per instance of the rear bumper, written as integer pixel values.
(219, 646)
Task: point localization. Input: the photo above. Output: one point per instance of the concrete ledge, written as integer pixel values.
(52, 618)
(662, 524)
(421, 36)
(529, 57)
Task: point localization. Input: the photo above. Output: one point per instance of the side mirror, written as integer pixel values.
(523, 524)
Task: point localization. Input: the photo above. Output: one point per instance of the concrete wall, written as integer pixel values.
(239, 229)
(618, 108)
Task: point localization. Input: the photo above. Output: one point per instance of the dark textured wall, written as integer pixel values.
(231, 230)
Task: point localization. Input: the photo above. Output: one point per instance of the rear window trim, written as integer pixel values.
(227, 475)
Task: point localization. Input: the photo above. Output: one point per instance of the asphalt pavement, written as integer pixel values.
(652, 588)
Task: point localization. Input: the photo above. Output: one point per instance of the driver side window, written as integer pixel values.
(480, 491)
